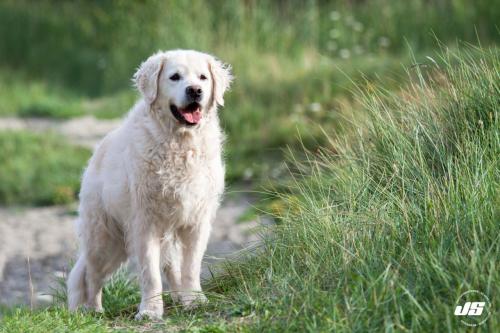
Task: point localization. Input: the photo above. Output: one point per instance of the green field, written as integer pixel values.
(369, 128)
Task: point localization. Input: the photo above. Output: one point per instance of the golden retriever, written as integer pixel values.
(152, 186)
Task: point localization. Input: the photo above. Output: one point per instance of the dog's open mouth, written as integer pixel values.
(188, 115)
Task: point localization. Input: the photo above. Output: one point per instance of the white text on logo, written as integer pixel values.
(470, 309)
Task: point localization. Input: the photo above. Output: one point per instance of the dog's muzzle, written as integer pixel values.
(189, 115)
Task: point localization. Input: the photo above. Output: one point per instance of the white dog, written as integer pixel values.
(152, 187)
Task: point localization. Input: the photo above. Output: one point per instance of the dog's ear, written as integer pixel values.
(147, 77)
(221, 79)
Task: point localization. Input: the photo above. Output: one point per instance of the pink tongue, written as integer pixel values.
(192, 117)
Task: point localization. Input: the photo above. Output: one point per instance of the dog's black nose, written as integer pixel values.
(194, 93)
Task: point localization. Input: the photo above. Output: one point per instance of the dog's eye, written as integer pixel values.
(175, 77)
(203, 77)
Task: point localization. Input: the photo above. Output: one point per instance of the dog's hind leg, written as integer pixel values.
(77, 288)
(105, 256)
(102, 252)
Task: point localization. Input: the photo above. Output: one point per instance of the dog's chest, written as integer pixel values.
(187, 182)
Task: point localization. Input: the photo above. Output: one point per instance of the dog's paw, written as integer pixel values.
(191, 300)
(148, 315)
(92, 309)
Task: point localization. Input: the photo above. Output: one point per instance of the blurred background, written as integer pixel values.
(65, 81)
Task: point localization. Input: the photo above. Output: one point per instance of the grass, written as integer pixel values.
(384, 232)
(94, 47)
(25, 97)
(39, 169)
(22, 320)
(380, 230)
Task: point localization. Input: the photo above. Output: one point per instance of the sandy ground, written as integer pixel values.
(38, 244)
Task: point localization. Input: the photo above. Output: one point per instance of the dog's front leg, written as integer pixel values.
(172, 269)
(194, 243)
(147, 248)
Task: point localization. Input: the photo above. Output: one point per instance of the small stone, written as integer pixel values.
(44, 298)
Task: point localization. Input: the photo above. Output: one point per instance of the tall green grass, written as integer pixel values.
(384, 232)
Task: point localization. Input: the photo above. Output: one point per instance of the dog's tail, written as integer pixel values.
(77, 286)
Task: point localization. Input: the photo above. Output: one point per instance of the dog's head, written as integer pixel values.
(187, 84)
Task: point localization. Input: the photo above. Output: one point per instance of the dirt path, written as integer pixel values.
(46, 237)
(84, 131)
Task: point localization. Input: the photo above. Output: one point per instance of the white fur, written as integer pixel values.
(152, 187)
